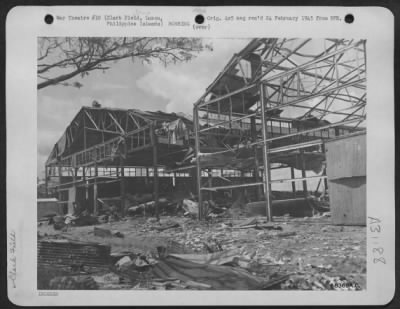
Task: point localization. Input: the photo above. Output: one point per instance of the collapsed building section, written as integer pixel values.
(105, 152)
(274, 106)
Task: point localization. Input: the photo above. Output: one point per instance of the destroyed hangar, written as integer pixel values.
(264, 187)
(270, 106)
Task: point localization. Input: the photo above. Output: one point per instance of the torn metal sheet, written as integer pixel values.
(218, 277)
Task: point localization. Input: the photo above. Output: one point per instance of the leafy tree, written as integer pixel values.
(63, 58)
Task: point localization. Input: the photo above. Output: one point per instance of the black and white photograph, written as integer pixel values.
(177, 163)
(203, 155)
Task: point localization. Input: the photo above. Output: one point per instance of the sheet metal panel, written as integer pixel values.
(346, 171)
(347, 157)
(348, 201)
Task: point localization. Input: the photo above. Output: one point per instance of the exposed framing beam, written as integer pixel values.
(116, 122)
(284, 58)
(266, 175)
(277, 76)
(91, 120)
(298, 179)
(198, 167)
(103, 131)
(316, 129)
(318, 94)
(312, 62)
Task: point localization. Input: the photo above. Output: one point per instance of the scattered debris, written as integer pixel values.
(249, 253)
(118, 234)
(73, 283)
(124, 262)
(168, 225)
(101, 232)
(147, 206)
(319, 281)
(198, 285)
(259, 223)
(110, 281)
(85, 219)
(285, 234)
(58, 222)
(190, 207)
(116, 256)
(248, 222)
(152, 220)
(215, 276)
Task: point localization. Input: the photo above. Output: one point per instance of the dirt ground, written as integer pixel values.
(310, 249)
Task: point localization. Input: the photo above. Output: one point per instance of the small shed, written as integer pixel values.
(47, 207)
(346, 171)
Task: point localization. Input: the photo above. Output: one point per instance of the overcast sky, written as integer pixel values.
(131, 85)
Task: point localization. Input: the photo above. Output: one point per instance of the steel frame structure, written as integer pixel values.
(110, 127)
(110, 137)
(322, 81)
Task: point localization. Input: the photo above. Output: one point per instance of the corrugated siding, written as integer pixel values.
(346, 171)
(73, 255)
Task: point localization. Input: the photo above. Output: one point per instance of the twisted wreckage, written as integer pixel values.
(277, 137)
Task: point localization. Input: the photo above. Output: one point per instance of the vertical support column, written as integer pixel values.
(73, 198)
(59, 182)
(74, 177)
(303, 173)
(198, 167)
(46, 180)
(122, 188)
(84, 181)
(230, 112)
(193, 182)
(95, 194)
(365, 54)
(293, 183)
(174, 179)
(122, 183)
(87, 198)
(242, 180)
(146, 181)
(155, 170)
(210, 196)
(323, 149)
(265, 154)
(84, 133)
(269, 184)
(253, 130)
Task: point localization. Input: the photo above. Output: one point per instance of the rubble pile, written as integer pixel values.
(221, 253)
